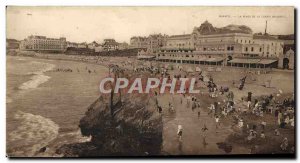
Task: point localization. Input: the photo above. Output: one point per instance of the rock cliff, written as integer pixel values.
(132, 128)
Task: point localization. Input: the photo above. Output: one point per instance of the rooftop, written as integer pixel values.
(207, 28)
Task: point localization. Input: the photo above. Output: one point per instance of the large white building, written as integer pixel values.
(233, 45)
(42, 43)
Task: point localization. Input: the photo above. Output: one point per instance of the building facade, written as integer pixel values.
(230, 45)
(42, 43)
(12, 44)
(179, 42)
(156, 42)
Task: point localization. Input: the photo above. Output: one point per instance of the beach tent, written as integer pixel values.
(210, 69)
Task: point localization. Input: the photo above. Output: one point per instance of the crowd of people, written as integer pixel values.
(71, 70)
(225, 107)
(282, 110)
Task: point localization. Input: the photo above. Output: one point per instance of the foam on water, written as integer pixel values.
(34, 133)
(77, 136)
(38, 76)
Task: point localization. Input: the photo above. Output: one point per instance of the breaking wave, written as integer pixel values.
(34, 133)
(38, 77)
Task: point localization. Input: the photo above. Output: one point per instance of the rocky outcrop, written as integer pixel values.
(132, 128)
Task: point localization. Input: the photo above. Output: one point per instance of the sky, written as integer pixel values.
(87, 24)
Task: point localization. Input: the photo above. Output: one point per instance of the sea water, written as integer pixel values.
(34, 116)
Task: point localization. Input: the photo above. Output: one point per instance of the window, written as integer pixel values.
(232, 48)
(260, 49)
(187, 55)
(204, 49)
(252, 49)
(246, 49)
(249, 41)
(228, 48)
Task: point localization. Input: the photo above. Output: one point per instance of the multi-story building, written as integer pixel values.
(155, 42)
(232, 44)
(42, 43)
(177, 42)
(12, 44)
(270, 47)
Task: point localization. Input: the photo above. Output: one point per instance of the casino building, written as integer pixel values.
(232, 45)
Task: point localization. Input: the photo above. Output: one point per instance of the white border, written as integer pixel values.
(116, 3)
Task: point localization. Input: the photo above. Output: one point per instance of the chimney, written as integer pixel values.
(266, 27)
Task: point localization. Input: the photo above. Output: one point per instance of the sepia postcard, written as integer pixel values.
(150, 82)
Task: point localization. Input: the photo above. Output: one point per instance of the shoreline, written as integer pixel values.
(33, 91)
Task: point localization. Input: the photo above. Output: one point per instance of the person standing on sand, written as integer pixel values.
(284, 144)
(181, 99)
(194, 104)
(179, 132)
(217, 122)
(279, 118)
(188, 101)
(204, 142)
(204, 128)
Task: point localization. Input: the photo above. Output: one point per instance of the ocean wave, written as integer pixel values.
(38, 77)
(76, 136)
(34, 133)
